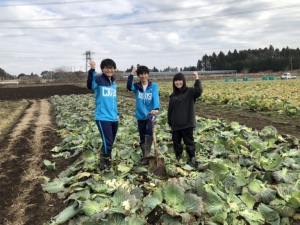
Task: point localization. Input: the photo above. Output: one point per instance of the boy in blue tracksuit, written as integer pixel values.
(106, 109)
(147, 104)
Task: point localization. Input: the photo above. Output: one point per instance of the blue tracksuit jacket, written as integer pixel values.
(106, 108)
(145, 101)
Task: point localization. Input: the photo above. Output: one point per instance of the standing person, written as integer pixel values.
(181, 115)
(147, 104)
(106, 109)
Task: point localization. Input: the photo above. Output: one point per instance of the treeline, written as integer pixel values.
(58, 74)
(61, 73)
(5, 75)
(244, 61)
(252, 61)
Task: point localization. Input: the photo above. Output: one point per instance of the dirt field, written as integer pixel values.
(22, 151)
(22, 200)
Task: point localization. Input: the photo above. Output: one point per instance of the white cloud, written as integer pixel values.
(160, 33)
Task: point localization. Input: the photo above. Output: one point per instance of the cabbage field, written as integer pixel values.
(276, 96)
(279, 96)
(244, 176)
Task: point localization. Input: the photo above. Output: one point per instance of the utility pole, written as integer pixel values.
(291, 63)
(88, 58)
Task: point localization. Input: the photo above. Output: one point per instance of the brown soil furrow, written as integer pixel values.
(28, 143)
(14, 161)
(9, 144)
(42, 123)
(11, 184)
(25, 121)
(31, 176)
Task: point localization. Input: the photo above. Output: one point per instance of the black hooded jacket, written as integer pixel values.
(181, 111)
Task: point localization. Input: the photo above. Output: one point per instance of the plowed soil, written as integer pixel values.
(23, 149)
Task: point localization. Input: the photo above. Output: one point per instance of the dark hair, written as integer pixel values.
(179, 76)
(142, 69)
(107, 62)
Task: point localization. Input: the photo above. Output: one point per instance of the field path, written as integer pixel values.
(22, 152)
(21, 159)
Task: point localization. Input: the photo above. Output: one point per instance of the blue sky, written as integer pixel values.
(45, 35)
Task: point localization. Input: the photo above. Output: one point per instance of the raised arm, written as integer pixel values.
(90, 75)
(197, 86)
(130, 86)
(94, 84)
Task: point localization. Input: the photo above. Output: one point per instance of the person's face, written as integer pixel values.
(178, 84)
(143, 77)
(109, 71)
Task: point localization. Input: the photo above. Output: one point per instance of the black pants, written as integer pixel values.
(188, 139)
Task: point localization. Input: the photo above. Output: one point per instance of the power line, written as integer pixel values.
(124, 14)
(35, 57)
(52, 3)
(159, 21)
(39, 51)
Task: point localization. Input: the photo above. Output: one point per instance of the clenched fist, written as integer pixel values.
(92, 64)
(134, 69)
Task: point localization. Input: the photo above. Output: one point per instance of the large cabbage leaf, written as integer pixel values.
(193, 204)
(270, 215)
(92, 207)
(253, 217)
(284, 175)
(65, 215)
(173, 194)
(213, 204)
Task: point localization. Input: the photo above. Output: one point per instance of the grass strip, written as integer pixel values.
(10, 111)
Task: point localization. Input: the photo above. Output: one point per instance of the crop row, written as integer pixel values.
(243, 176)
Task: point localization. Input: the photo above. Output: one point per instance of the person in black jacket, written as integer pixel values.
(181, 115)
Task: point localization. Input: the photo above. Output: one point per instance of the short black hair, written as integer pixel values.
(142, 69)
(108, 62)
